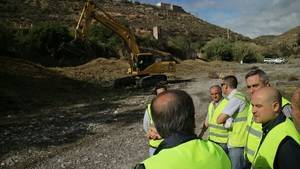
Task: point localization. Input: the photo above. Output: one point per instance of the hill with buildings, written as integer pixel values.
(170, 19)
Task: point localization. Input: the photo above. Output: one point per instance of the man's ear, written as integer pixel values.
(276, 106)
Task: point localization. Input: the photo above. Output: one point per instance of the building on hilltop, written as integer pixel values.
(171, 7)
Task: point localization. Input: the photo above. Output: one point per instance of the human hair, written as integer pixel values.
(262, 75)
(215, 86)
(272, 95)
(278, 98)
(173, 112)
(231, 81)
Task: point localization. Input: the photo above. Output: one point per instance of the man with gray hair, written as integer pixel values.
(217, 132)
(255, 80)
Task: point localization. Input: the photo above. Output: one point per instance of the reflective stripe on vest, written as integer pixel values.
(265, 156)
(238, 134)
(255, 134)
(193, 154)
(284, 101)
(217, 132)
(152, 143)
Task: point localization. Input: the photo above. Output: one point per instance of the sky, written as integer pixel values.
(251, 18)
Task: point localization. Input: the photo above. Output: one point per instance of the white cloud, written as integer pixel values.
(248, 17)
(275, 18)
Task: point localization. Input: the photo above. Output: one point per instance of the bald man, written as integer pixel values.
(296, 109)
(279, 148)
(173, 115)
(255, 80)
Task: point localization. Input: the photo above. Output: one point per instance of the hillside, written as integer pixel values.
(288, 41)
(140, 17)
(26, 86)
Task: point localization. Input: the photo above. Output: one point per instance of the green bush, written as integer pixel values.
(106, 40)
(185, 46)
(149, 42)
(218, 49)
(41, 42)
(244, 51)
(6, 39)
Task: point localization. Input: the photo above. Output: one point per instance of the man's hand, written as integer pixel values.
(204, 128)
(153, 134)
(222, 118)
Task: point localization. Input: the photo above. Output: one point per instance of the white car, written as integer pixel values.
(275, 60)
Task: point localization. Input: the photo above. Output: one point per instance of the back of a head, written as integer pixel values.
(262, 75)
(173, 112)
(231, 81)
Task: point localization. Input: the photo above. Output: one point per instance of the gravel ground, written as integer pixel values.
(105, 137)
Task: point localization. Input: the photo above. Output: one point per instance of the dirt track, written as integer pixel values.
(107, 133)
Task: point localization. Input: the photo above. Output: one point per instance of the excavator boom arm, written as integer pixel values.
(89, 13)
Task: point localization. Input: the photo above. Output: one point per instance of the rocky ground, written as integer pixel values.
(106, 131)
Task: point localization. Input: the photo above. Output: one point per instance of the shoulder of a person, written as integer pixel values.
(289, 146)
(139, 166)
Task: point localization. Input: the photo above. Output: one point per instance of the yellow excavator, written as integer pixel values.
(146, 69)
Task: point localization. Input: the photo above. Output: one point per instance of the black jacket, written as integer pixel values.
(288, 152)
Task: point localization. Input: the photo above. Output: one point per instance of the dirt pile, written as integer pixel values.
(100, 71)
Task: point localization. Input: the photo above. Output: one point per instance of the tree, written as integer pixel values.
(218, 48)
(6, 39)
(242, 51)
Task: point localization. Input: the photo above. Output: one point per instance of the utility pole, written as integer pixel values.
(228, 36)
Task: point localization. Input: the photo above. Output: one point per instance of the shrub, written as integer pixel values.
(218, 48)
(150, 42)
(184, 46)
(244, 51)
(41, 43)
(106, 40)
(6, 39)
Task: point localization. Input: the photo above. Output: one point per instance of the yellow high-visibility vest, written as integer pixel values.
(193, 154)
(266, 154)
(217, 132)
(255, 133)
(238, 134)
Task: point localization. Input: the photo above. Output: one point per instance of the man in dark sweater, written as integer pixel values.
(279, 147)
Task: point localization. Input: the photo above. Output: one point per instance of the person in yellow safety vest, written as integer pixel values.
(151, 133)
(217, 133)
(280, 144)
(255, 80)
(234, 117)
(173, 114)
(296, 109)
